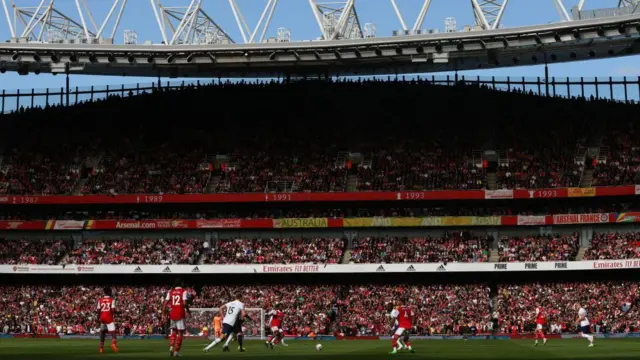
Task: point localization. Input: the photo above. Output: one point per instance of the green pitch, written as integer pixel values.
(348, 350)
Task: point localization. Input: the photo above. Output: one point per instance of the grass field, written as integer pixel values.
(47, 349)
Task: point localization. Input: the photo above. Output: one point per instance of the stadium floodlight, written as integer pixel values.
(171, 59)
(516, 59)
(111, 58)
(534, 59)
(460, 45)
(131, 59)
(37, 71)
(601, 32)
(190, 58)
(538, 39)
(557, 37)
(573, 55)
(378, 52)
(55, 58)
(15, 57)
(3, 70)
(554, 57)
(357, 53)
(151, 59)
(611, 52)
(93, 58)
(399, 50)
(505, 42)
(576, 34)
(420, 50)
(337, 54)
(439, 47)
(36, 57)
(273, 56)
(73, 58)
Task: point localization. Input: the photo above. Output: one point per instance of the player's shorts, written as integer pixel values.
(217, 332)
(228, 329)
(178, 324)
(275, 329)
(108, 327)
(584, 329)
(539, 326)
(399, 331)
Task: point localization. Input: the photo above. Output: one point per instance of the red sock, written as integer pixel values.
(172, 338)
(179, 341)
(537, 334)
(394, 341)
(270, 338)
(113, 338)
(408, 343)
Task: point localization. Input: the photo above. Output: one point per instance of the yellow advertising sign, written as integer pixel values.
(581, 192)
(434, 221)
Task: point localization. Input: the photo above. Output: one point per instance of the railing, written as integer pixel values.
(623, 89)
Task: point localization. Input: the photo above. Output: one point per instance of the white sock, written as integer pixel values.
(229, 339)
(213, 343)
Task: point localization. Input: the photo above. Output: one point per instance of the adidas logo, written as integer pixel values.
(195, 270)
(411, 268)
(138, 269)
(380, 268)
(441, 268)
(167, 269)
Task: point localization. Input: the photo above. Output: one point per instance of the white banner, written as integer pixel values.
(66, 225)
(580, 219)
(498, 194)
(320, 269)
(530, 220)
(637, 189)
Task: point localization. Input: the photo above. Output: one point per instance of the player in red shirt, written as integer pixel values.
(540, 322)
(404, 315)
(106, 309)
(177, 300)
(275, 323)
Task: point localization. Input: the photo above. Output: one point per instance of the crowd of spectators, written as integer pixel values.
(614, 245)
(539, 248)
(453, 247)
(43, 309)
(32, 251)
(604, 302)
(137, 251)
(361, 309)
(410, 170)
(277, 251)
(115, 155)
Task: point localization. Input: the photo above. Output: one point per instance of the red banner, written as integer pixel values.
(219, 224)
(65, 225)
(532, 220)
(312, 197)
(22, 225)
(581, 219)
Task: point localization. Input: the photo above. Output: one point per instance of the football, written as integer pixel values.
(319, 347)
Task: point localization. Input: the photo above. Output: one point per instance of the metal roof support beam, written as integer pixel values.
(562, 10)
(347, 24)
(489, 13)
(187, 25)
(263, 23)
(419, 20)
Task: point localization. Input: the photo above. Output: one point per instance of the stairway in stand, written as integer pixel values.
(587, 178)
(492, 181)
(352, 183)
(212, 185)
(494, 256)
(346, 257)
(580, 255)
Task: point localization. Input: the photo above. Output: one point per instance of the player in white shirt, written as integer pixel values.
(232, 313)
(583, 324)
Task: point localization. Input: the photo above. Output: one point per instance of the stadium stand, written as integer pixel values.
(162, 159)
(539, 248)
